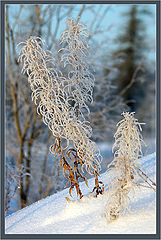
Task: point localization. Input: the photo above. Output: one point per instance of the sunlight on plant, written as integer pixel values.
(62, 100)
(123, 170)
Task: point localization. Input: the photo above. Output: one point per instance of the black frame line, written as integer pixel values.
(158, 121)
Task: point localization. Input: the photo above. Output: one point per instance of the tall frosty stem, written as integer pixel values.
(62, 100)
(79, 90)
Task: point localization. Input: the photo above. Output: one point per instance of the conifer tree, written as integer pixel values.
(129, 59)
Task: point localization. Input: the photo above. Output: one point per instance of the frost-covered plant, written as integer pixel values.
(13, 182)
(80, 80)
(79, 88)
(125, 167)
(62, 100)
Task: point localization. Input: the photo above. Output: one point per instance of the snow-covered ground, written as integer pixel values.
(54, 215)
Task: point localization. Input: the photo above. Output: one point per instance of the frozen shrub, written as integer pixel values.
(124, 169)
(14, 175)
(62, 100)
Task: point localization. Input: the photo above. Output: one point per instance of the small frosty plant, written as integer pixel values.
(62, 100)
(124, 169)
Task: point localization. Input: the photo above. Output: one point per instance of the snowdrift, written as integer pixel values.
(54, 215)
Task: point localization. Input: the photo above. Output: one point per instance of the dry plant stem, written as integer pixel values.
(97, 188)
(77, 46)
(99, 185)
(146, 179)
(73, 174)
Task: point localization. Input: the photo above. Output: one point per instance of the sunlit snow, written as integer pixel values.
(54, 215)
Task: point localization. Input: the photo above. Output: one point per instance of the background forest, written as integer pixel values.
(122, 53)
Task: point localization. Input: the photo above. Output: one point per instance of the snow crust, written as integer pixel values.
(54, 215)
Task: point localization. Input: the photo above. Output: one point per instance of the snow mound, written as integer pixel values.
(54, 215)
